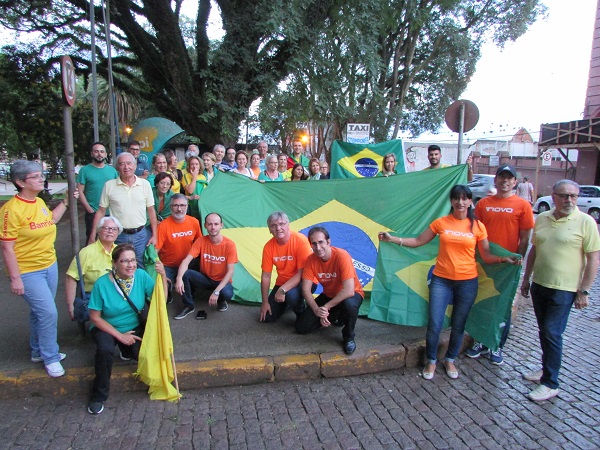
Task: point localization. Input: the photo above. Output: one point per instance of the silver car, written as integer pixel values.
(481, 186)
(588, 202)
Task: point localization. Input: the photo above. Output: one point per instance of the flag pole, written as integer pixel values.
(175, 376)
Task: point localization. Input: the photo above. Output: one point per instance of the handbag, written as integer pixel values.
(81, 313)
(142, 313)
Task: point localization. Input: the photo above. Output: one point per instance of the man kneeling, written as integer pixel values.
(342, 293)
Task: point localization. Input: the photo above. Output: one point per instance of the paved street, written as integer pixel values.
(485, 408)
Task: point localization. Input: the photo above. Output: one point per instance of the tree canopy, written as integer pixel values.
(394, 63)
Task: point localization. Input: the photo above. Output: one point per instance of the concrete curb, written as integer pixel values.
(227, 372)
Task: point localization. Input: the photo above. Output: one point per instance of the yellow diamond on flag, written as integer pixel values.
(365, 163)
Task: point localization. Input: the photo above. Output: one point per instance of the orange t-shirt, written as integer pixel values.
(214, 258)
(175, 239)
(456, 257)
(287, 258)
(504, 218)
(333, 272)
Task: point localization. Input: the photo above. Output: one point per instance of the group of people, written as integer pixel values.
(122, 213)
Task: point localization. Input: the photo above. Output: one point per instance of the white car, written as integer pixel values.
(482, 186)
(588, 202)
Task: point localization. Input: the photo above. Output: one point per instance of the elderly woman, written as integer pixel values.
(388, 166)
(193, 183)
(324, 170)
(27, 241)
(114, 320)
(162, 195)
(209, 161)
(270, 173)
(95, 260)
(454, 280)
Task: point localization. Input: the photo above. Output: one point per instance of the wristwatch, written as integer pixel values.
(586, 293)
(283, 290)
(217, 293)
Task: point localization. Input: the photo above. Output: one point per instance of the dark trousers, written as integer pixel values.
(105, 347)
(293, 300)
(346, 311)
(89, 220)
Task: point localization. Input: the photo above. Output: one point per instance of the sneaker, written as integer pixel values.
(534, 376)
(541, 393)
(55, 369)
(37, 359)
(477, 350)
(184, 312)
(123, 357)
(95, 407)
(222, 306)
(496, 357)
(349, 347)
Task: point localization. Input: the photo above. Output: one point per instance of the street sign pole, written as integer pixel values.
(69, 96)
(461, 129)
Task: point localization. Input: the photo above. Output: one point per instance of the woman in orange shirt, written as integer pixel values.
(454, 278)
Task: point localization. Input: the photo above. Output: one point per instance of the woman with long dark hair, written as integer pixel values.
(454, 278)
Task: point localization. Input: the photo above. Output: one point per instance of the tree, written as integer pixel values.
(207, 91)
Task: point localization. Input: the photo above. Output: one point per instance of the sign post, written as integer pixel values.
(461, 117)
(69, 91)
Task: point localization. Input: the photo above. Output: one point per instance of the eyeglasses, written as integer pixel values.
(109, 229)
(274, 226)
(178, 206)
(128, 262)
(567, 196)
(35, 177)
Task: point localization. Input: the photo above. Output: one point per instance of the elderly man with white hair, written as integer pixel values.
(130, 200)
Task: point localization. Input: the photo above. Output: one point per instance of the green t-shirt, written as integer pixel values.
(93, 178)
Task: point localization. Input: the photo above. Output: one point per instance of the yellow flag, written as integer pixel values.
(154, 363)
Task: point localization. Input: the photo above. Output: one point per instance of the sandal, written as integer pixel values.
(451, 373)
(428, 375)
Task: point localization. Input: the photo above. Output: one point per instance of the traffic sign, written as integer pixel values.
(67, 70)
(546, 158)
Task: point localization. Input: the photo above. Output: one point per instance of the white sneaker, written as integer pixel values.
(542, 393)
(37, 359)
(55, 369)
(534, 376)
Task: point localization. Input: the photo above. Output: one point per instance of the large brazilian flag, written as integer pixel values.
(401, 295)
(363, 161)
(354, 211)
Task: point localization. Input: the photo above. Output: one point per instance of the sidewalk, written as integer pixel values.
(228, 348)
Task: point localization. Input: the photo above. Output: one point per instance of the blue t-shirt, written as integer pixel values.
(114, 308)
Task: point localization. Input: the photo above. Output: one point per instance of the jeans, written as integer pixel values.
(193, 279)
(346, 310)
(552, 308)
(40, 292)
(442, 292)
(139, 241)
(293, 300)
(103, 361)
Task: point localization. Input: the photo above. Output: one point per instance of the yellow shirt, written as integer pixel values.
(560, 247)
(128, 203)
(29, 224)
(95, 262)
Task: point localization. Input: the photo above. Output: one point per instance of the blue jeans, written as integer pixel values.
(442, 292)
(193, 279)
(40, 292)
(293, 300)
(552, 308)
(139, 241)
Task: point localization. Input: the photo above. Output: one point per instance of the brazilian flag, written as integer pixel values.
(363, 161)
(354, 211)
(401, 294)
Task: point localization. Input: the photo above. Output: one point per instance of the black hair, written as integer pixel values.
(434, 147)
(161, 176)
(318, 229)
(116, 254)
(457, 192)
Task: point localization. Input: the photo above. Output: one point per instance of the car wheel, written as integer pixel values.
(543, 207)
(595, 213)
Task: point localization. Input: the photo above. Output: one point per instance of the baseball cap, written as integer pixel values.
(507, 168)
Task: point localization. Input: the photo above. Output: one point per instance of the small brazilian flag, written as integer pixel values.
(354, 211)
(400, 292)
(363, 161)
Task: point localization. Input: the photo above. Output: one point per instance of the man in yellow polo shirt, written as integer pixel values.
(129, 198)
(564, 263)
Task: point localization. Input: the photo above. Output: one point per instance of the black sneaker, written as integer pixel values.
(124, 357)
(349, 347)
(95, 407)
(184, 312)
(222, 306)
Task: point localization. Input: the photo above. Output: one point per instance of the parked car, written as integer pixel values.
(4, 170)
(588, 202)
(482, 185)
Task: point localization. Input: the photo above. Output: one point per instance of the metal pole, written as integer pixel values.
(461, 127)
(94, 72)
(69, 157)
(111, 99)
